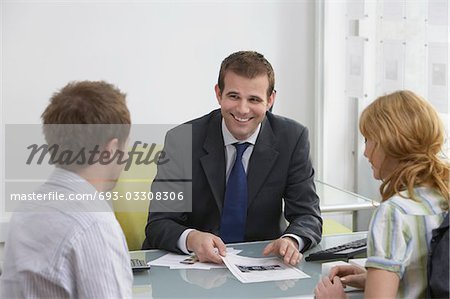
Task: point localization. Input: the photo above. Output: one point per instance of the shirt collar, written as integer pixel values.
(71, 181)
(228, 138)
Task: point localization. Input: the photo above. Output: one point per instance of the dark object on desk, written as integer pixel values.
(344, 251)
(139, 265)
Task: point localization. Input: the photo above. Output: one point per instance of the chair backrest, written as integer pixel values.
(130, 210)
(333, 227)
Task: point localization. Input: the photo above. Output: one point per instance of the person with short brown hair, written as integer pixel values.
(74, 247)
(246, 162)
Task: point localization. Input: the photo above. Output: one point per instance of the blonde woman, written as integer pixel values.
(404, 138)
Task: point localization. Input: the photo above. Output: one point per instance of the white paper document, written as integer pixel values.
(355, 9)
(393, 10)
(393, 74)
(438, 12)
(247, 269)
(361, 262)
(185, 261)
(354, 82)
(438, 76)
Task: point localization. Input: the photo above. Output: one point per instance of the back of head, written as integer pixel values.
(87, 102)
(82, 115)
(409, 130)
(249, 64)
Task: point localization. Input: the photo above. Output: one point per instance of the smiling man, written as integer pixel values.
(245, 162)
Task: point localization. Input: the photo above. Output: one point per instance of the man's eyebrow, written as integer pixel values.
(232, 92)
(254, 97)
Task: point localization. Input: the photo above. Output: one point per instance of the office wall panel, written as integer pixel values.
(164, 54)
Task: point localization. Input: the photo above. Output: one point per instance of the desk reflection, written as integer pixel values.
(206, 279)
(162, 282)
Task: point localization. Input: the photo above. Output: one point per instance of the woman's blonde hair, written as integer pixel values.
(409, 130)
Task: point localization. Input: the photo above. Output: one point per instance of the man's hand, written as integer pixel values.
(207, 247)
(349, 275)
(329, 289)
(286, 248)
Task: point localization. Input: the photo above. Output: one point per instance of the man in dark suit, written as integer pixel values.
(276, 163)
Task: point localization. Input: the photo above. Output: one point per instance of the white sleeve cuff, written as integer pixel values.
(182, 241)
(299, 240)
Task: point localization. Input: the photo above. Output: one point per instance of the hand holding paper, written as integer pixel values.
(207, 247)
(185, 261)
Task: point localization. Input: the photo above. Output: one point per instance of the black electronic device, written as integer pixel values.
(139, 265)
(344, 251)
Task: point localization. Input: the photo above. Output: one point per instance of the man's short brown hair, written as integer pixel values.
(249, 64)
(84, 114)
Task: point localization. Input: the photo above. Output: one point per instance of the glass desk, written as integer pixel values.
(161, 282)
(333, 199)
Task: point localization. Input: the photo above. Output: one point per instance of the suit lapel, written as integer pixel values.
(261, 161)
(213, 162)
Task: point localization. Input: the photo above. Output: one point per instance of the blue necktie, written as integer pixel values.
(234, 213)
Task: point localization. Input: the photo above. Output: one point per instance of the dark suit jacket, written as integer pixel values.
(279, 168)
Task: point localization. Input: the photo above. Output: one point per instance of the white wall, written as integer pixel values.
(339, 114)
(164, 54)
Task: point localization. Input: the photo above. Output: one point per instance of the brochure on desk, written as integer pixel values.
(247, 269)
(180, 261)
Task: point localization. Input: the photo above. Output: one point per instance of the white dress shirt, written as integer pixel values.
(52, 252)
